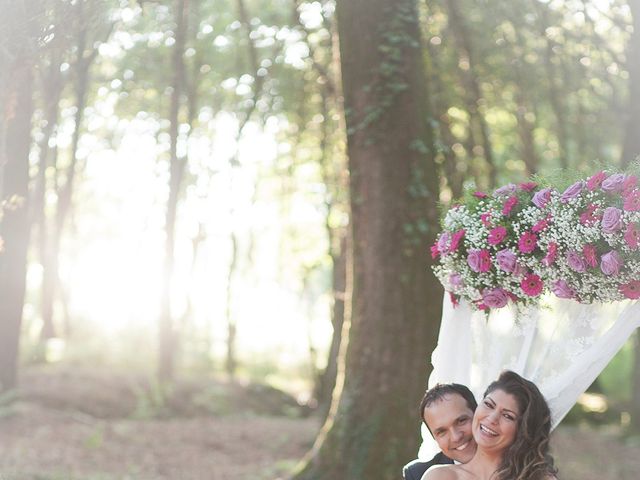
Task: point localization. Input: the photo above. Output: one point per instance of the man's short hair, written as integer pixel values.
(440, 391)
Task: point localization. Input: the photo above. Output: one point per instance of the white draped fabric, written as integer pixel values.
(561, 345)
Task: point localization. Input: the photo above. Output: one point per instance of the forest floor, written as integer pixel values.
(73, 426)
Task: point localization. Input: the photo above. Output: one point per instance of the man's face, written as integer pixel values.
(450, 420)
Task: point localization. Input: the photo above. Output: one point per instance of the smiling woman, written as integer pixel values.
(495, 422)
(511, 427)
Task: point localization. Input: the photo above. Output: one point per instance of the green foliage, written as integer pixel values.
(544, 69)
(615, 378)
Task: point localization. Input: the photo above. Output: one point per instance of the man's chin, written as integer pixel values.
(464, 455)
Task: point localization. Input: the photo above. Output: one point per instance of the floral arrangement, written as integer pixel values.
(525, 240)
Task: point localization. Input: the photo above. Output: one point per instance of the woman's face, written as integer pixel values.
(495, 422)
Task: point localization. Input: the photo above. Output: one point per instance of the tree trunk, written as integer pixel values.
(328, 379)
(231, 361)
(15, 140)
(473, 97)
(453, 169)
(526, 126)
(52, 86)
(86, 50)
(51, 278)
(555, 93)
(177, 165)
(631, 148)
(333, 165)
(392, 320)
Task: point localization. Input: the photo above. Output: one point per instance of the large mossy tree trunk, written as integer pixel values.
(393, 316)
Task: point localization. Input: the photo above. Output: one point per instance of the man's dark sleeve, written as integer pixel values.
(416, 468)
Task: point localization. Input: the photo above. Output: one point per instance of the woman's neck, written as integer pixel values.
(484, 464)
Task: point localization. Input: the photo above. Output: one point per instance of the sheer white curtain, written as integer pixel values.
(560, 345)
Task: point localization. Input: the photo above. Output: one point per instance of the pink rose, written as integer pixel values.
(495, 297)
(632, 236)
(614, 183)
(576, 261)
(485, 218)
(434, 251)
(531, 285)
(611, 220)
(631, 289)
(562, 289)
(596, 180)
(541, 197)
(572, 192)
(479, 260)
(479, 194)
(497, 235)
(527, 242)
(506, 260)
(590, 256)
(610, 263)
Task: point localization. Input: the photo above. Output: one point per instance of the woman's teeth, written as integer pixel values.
(488, 431)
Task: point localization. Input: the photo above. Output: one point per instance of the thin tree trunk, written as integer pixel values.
(555, 95)
(51, 279)
(86, 53)
(15, 142)
(526, 125)
(631, 147)
(258, 84)
(473, 97)
(52, 88)
(167, 335)
(231, 362)
(393, 320)
(334, 169)
(453, 168)
(328, 379)
(525, 131)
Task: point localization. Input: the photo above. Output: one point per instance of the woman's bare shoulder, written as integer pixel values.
(441, 472)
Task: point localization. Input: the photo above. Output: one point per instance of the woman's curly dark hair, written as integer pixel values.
(528, 457)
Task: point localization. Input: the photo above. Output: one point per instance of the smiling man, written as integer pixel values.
(447, 411)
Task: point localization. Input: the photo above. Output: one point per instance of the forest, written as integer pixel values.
(216, 216)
